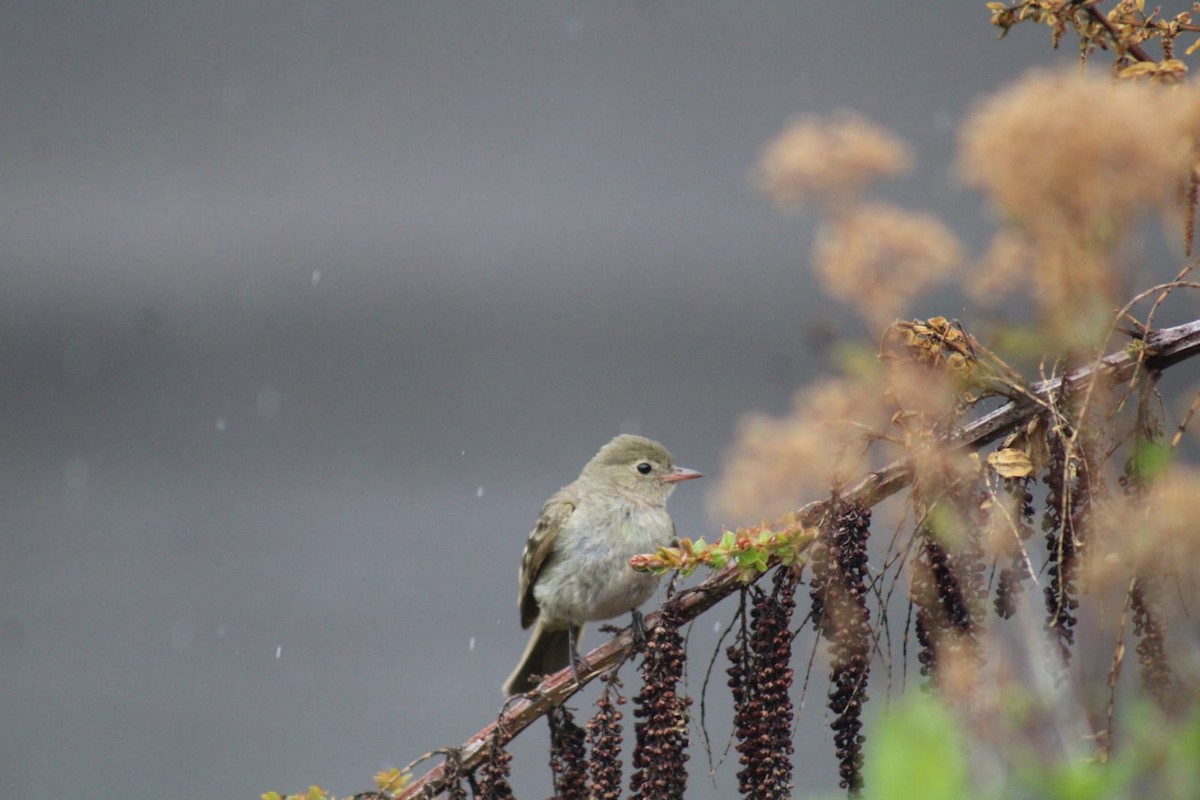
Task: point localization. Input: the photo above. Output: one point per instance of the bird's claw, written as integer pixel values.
(575, 658)
(639, 629)
(578, 661)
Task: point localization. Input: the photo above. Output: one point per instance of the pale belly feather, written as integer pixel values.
(589, 577)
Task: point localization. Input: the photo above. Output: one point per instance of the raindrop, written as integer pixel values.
(471, 644)
(316, 277)
(479, 492)
(279, 651)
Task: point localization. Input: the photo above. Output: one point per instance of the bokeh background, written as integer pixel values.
(307, 306)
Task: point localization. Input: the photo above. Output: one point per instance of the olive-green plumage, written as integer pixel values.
(575, 568)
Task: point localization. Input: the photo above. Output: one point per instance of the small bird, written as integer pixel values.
(575, 567)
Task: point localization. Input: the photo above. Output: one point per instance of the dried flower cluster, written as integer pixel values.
(878, 258)
(660, 753)
(829, 160)
(494, 773)
(1168, 535)
(1125, 31)
(1130, 146)
(838, 591)
(604, 739)
(1070, 208)
(568, 761)
(778, 462)
(760, 679)
(874, 257)
(456, 776)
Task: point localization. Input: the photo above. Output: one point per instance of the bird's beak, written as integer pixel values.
(680, 474)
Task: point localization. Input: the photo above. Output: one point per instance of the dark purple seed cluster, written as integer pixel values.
(967, 561)
(494, 773)
(1061, 602)
(1146, 595)
(660, 753)
(455, 776)
(760, 679)
(930, 570)
(604, 738)
(948, 592)
(1012, 578)
(1145, 601)
(741, 668)
(839, 610)
(568, 762)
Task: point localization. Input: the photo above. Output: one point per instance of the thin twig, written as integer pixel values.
(1132, 48)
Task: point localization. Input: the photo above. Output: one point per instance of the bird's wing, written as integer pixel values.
(539, 550)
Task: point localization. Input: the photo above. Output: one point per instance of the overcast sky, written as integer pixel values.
(307, 307)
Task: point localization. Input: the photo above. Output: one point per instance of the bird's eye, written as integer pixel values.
(644, 468)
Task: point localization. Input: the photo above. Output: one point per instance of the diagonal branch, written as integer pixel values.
(1158, 351)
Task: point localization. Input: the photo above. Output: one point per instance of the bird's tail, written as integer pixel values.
(548, 651)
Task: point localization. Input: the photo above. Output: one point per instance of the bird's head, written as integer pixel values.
(638, 467)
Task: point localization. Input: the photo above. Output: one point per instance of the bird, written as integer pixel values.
(575, 567)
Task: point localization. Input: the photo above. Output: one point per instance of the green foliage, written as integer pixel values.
(750, 548)
(919, 751)
(1151, 459)
(916, 753)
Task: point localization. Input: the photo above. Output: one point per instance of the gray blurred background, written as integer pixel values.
(307, 306)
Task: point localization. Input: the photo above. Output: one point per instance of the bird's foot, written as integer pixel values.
(579, 665)
(639, 629)
(575, 658)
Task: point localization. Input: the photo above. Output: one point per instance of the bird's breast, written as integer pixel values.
(590, 577)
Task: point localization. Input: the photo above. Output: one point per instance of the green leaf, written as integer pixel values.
(1151, 459)
(1084, 780)
(753, 559)
(915, 754)
(947, 525)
